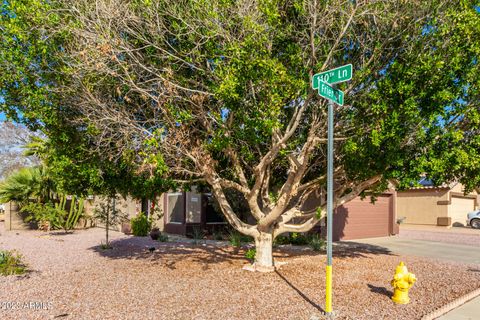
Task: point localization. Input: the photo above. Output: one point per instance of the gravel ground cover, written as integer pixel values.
(75, 279)
(447, 236)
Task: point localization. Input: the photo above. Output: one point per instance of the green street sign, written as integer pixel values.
(340, 74)
(327, 91)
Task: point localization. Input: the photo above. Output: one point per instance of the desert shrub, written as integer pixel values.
(316, 242)
(245, 238)
(140, 225)
(298, 239)
(197, 235)
(46, 215)
(250, 254)
(162, 237)
(105, 245)
(217, 235)
(281, 240)
(55, 216)
(235, 238)
(11, 263)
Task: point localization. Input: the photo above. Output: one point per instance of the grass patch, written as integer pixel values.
(105, 246)
(11, 263)
(162, 237)
(317, 243)
(250, 254)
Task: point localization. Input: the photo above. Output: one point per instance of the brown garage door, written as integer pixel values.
(361, 219)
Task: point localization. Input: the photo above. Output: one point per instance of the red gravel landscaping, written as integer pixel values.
(77, 280)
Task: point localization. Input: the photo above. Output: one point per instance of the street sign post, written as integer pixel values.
(329, 92)
(324, 83)
(340, 74)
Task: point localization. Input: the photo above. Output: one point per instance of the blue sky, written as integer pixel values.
(2, 115)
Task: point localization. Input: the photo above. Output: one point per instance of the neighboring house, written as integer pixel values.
(445, 205)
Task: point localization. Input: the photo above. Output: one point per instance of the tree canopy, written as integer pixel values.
(32, 84)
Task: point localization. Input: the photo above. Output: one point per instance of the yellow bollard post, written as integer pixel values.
(401, 283)
(328, 293)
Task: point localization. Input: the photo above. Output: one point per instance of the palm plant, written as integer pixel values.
(25, 184)
(37, 147)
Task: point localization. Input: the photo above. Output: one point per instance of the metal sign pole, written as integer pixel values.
(324, 83)
(328, 293)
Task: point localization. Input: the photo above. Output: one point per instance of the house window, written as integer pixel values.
(194, 205)
(175, 207)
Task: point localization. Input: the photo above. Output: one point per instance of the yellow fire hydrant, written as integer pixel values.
(401, 283)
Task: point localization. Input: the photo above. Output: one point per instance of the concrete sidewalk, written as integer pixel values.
(468, 311)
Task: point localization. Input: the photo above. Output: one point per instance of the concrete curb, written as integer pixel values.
(452, 305)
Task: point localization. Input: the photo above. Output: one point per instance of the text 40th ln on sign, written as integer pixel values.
(322, 82)
(340, 74)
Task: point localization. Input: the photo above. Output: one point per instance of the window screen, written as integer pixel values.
(176, 207)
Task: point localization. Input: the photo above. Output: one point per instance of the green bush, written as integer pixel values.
(298, 239)
(250, 254)
(140, 225)
(235, 238)
(11, 263)
(162, 237)
(217, 235)
(55, 216)
(316, 242)
(197, 235)
(105, 246)
(245, 238)
(44, 213)
(280, 240)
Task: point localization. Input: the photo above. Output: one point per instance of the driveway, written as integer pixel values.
(455, 235)
(422, 248)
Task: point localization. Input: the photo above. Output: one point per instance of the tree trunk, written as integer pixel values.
(263, 255)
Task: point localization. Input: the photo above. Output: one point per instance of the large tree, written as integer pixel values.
(219, 91)
(12, 138)
(33, 69)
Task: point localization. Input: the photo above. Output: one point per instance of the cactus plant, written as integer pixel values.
(76, 211)
(70, 218)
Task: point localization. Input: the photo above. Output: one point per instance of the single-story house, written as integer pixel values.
(182, 212)
(173, 212)
(445, 205)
